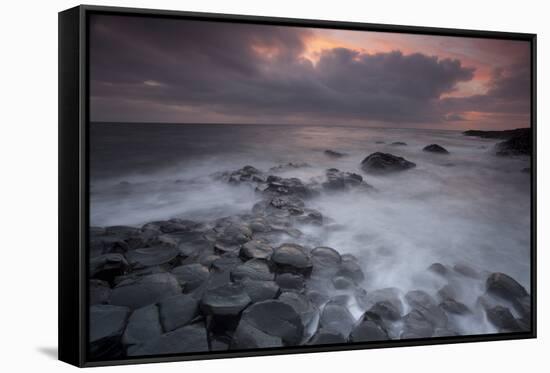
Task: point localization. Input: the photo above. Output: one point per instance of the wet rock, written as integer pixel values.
(334, 154)
(425, 304)
(301, 304)
(226, 263)
(367, 329)
(107, 245)
(260, 290)
(447, 292)
(191, 276)
(122, 231)
(143, 325)
(337, 318)
(387, 310)
(340, 180)
(310, 216)
(292, 204)
(350, 268)
(316, 297)
(519, 144)
(453, 306)
(247, 336)
(289, 166)
(384, 163)
(438, 268)
(255, 249)
(108, 266)
(225, 301)
(247, 174)
(523, 306)
(177, 311)
(292, 258)
(145, 290)
(99, 291)
(341, 283)
(466, 271)
(290, 282)
(275, 318)
(325, 258)
(324, 337)
(106, 325)
(504, 286)
(278, 186)
(194, 247)
(502, 318)
(415, 325)
(388, 296)
(188, 339)
(254, 269)
(152, 256)
(434, 148)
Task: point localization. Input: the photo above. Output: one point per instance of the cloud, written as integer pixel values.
(188, 71)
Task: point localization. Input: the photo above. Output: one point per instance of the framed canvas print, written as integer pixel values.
(239, 186)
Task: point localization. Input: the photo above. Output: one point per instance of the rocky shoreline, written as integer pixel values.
(254, 281)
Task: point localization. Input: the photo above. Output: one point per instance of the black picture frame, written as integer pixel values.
(74, 186)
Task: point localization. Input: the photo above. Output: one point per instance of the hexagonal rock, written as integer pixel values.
(107, 323)
(367, 329)
(152, 256)
(260, 290)
(274, 318)
(190, 338)
(177, 311)
(254, 269)
(145, 290)
(143, 325)
(255, 250)
(226, 300)
(191, 276)
(337, 318)
(292, 258)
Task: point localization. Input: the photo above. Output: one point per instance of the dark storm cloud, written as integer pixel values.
(144, 69)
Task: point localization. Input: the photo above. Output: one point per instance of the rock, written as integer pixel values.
(108, 266)
(260, 290)
(152, 256)
(106, 326)
(194, 247)
(339, 180)
(398, 143)
(447, 292)
(325, 258)
(324, 337)
(453, 306)
(275, 318)
(523, 306)
(289, 166)
(188, 339)
(247, 174)
(425, 304)
(143, 325)
(438, 268)
(292, 204)
(519, 144)
(341, 283)
(387, 310)
(416, 326)
(177, 311)
(191, 276)
(107, 245)
(310, 216)
(367, 329)
(316, 297)
(434, 148)
(146, 290)
(442, 332)
(247, 336)
(505, 287)
(390, 297)
(226, 263)
(301, 304)
(278, 186)
(290, 282)
(292, 258)
(383, 163)
(334, 154)
(526, 170)
(337, 318)
(99, 291)
(506, 134)
(227, 300)
(255, 249)
(122, 231)
(254, 269)
(466, 271)
(502, 318)
(350, 268)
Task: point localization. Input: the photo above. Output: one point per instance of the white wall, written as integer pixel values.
(28, 205)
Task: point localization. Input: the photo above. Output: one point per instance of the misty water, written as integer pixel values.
(468, 207)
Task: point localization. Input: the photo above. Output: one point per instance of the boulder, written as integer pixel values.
(99, 291)
(108, 266)
(292, 258)
(340, 180)
(247, 336)
(143, 325)
(145, 290)
(337, 318)
(254, 269)
(106, 326)
(439, 269)
(350, 268)
(415, 325)
(255, 249)
(390, 297)
(188, 339)
(325, 258)
(325, 337)
(227, 300)
(301, 305)
(434, 148)
(505, 287)
(275, 318)
(466, 271)
(426, 305)
(260, 290)
(341, 283)
(367, 330)
(191, 276)
(334, 154)
(177, 311)
(519, 144)
(502, 318)
(384, 163)
(152, 256)
(387, 310)
(455, 307)
(292, 204)
(290, 282)
(100, 245)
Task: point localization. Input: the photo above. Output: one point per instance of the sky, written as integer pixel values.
(145, 69)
